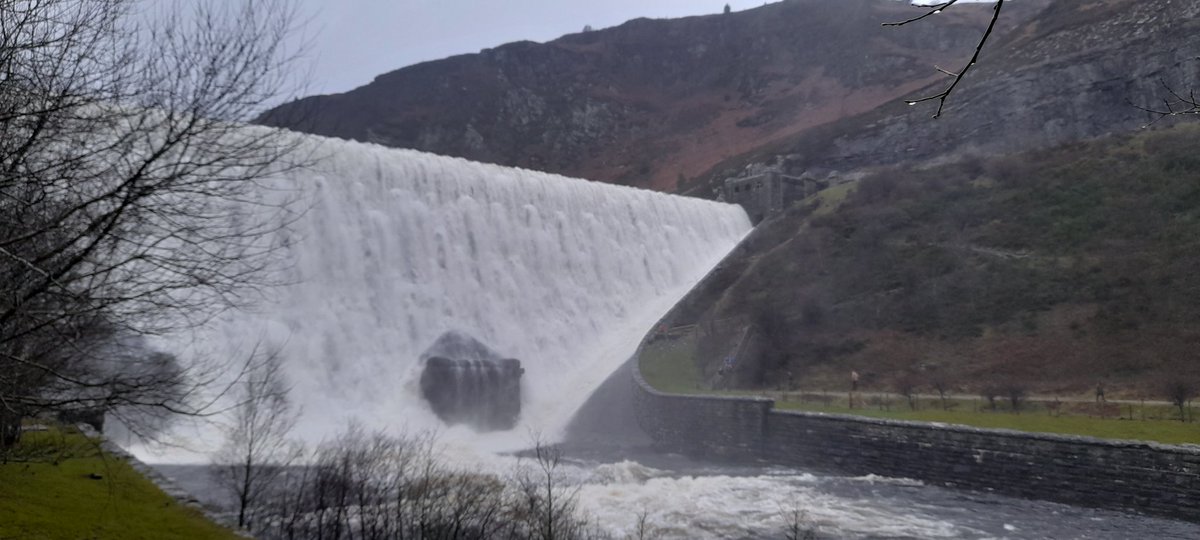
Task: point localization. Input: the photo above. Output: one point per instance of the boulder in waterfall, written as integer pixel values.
(466, 382)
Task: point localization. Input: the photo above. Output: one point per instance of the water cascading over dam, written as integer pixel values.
(399, 247)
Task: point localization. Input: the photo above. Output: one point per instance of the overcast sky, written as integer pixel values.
(352, 41)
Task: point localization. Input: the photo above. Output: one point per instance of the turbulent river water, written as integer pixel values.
(683, 499)
(397, 247)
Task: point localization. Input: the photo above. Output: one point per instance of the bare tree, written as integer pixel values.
(1015, 392)
(1180, 392)
(257, 450)
(989, 393)
(797, 525)
(131, 197)
(548, 506)
(643, 530)
(907, 386)
(942, 386)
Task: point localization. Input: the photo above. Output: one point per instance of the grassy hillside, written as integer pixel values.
(74, 491)
(1054, 269)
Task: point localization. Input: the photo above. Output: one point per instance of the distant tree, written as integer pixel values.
(989, 393)
(1015, 392)
(1180, 392)
(797, 524)
(257, 450)
(907, 386)
(728, 9)
(941, 385)
(587, 28)
(549, 506)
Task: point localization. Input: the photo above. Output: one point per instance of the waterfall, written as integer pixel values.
(397, 247)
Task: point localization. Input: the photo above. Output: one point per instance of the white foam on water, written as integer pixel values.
(400, 246)
(719, 506)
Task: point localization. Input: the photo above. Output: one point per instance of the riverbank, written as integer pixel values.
(668, 366)
(60, 484)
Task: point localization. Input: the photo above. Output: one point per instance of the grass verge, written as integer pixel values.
(1158, 430)
(667, 365)
(75, 491)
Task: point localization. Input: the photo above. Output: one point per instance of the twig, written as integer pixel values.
(941, 97)
(1175, 105)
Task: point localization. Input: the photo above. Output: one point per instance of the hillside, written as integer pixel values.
(1077, 70)
(654, 103)
(1055, 268)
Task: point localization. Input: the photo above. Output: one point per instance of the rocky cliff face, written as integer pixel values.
(1078, 70)
(653, 102)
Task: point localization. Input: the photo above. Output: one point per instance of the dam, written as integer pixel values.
(396, 248)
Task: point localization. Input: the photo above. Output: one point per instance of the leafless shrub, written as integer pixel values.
(989, 393)
(375, 486)
(942, 386)
(547, 508)
(797, 525)
(1180, 392)
(907, 386)
(1015, 392)
(643, 530)
(257, 450)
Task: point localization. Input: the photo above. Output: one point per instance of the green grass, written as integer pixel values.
(667, 365)
(48, 500)
(1159, 430)
(832, 197)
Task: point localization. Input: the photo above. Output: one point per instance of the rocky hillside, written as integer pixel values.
(1078, 70)
(655, 103)
(1055, 268)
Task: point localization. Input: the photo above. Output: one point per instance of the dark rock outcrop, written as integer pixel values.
(465, 382)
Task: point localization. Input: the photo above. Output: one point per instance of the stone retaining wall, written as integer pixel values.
(1150, 478)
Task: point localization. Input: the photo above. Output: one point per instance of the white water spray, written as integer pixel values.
(400, 246)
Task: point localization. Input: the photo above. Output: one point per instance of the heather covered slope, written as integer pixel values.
(654, 103)
(1076, 70)
(1055, 268)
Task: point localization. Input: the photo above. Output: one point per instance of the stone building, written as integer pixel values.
(766, 194)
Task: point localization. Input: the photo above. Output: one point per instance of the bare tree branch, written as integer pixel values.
(945, 94)
(1175, 104)
(133, 198)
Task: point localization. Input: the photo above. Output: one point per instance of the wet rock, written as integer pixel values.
(465, 382)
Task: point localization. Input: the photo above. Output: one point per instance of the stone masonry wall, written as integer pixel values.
(1149, 478)
(712, 427)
